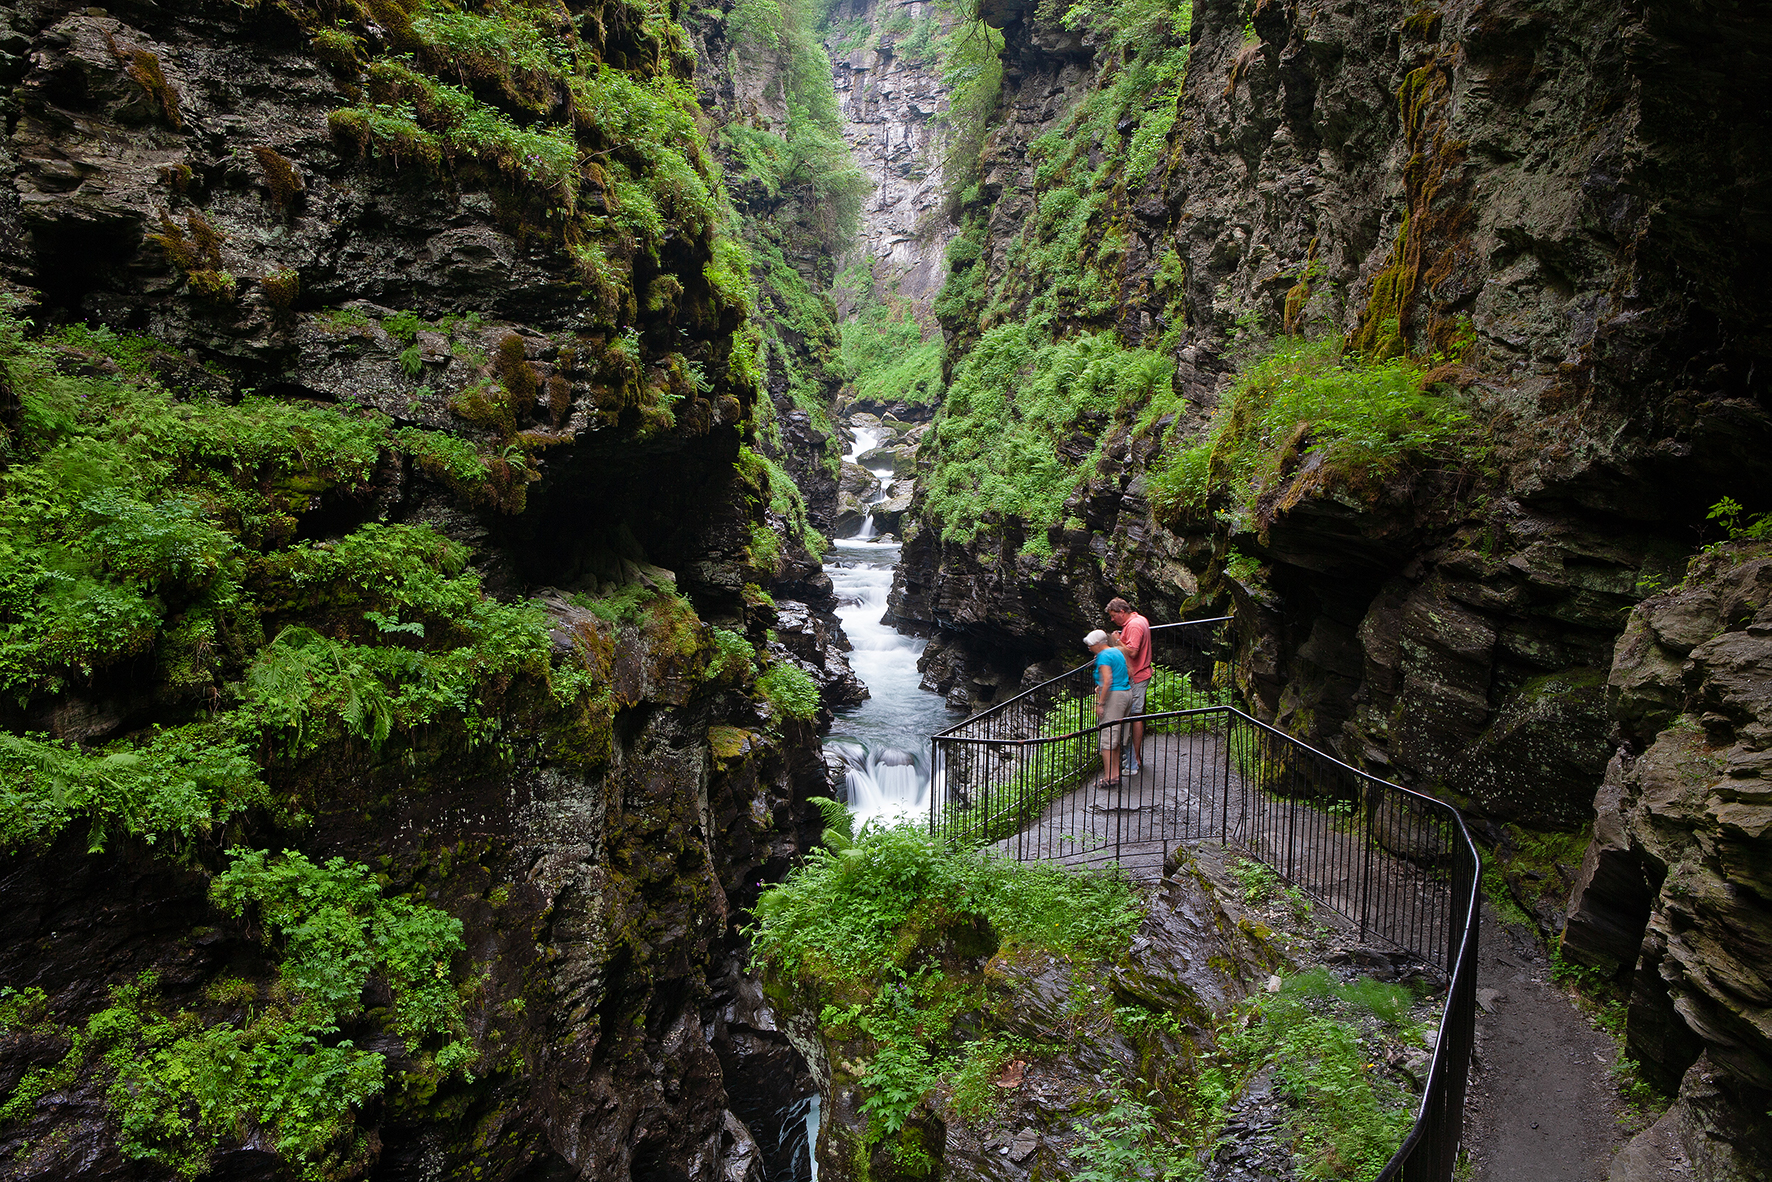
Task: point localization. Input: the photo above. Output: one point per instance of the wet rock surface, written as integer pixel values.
(1673, 897)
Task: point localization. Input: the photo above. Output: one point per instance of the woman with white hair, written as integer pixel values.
(1113, 697)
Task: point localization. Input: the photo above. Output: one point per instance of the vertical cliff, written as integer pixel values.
(1424, 338)
(1673, 899)
(397, 720)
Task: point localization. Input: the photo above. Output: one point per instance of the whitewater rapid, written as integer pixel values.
(884, 742)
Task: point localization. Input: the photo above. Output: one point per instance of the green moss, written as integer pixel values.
(1433, 236)
(281, 287)
(143, 67)
(281, 180)
(1304, 399)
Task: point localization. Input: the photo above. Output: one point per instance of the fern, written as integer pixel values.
(839, 823)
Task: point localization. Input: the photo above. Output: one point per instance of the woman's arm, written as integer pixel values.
(1104, 677)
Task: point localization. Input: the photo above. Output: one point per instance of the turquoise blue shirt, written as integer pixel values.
(1115, 660)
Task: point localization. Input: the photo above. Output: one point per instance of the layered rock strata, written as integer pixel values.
(1673, 896)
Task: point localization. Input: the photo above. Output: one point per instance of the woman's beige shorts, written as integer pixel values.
(1112, 710)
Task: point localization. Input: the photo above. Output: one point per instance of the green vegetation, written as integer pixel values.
(140, 522)
(1324, 1043)
(806, 163)
(1529, 868)
(178, 783)
(1015, 401)
(887, 354)
(1047, 377)
(877, 937)
(1729, 514)
(778, 490)
(1263, 886)
(800, 192)
(271, 1057)
(607, 162)
(971, 61)
(1304, 418)
(791, 691)
(1127, 1140)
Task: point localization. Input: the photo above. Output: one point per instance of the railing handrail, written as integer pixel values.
(1429, 1152)
(999, 707)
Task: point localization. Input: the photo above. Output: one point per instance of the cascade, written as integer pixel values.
(883, 742)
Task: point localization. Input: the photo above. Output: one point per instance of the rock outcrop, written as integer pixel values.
(1673, 896)
(887, 77)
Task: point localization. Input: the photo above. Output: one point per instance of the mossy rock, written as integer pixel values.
(1541, 758)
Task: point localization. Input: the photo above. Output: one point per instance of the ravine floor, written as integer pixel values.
(1543, 1106)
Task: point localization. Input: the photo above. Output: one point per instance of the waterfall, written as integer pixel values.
(884, 742)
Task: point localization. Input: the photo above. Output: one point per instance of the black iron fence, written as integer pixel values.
(1027, 777)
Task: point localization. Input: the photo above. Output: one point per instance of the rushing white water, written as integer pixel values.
(884, 742)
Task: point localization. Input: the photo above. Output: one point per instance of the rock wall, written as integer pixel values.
(1506, 183)
(1673, 896)
(182, 172)
(887, 78)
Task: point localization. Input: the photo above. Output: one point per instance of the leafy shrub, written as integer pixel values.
(840, 918)
(180, 782)
(439, 650)
(338, 928)
(124, 507)
(790, 691)
(1729, 514)
(734, 657)
(181, 1082)
(855, 926)
(1348, 1115)
(885, 356)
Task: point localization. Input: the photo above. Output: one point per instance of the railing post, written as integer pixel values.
(935, 778)
(1370, 832)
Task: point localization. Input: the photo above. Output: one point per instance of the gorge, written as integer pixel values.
(437, 447)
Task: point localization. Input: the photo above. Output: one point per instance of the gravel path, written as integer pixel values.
(1542, 1105)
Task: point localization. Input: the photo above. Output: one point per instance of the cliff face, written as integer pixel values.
(415, 520)
(1673, 894)
(885, 69)
(1503, 191)
(1546, 217)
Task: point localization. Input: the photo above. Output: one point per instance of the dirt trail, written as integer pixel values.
(1542, 1106)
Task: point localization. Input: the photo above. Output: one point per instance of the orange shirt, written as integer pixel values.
(1135, 638)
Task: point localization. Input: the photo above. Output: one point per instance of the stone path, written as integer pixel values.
(1542, 1105)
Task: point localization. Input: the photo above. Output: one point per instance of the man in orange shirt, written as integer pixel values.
(1132, 632)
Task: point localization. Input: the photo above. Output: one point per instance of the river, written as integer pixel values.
(884, 742)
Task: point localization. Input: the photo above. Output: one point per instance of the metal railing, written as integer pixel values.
(1397, 863)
